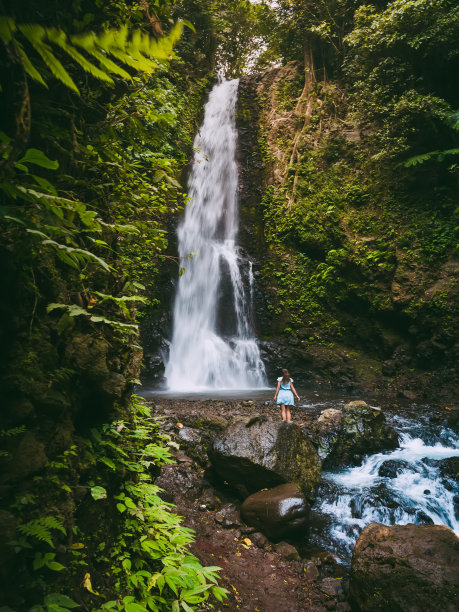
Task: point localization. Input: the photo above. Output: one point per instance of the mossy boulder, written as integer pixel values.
(26, 457)
(344, 436)
(261, 453)
(413, 568)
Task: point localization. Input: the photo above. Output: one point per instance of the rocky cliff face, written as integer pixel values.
(356, 285)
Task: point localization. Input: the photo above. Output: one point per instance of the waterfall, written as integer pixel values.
(212, 344)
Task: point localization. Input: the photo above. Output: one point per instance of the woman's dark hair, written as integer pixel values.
(285, 376)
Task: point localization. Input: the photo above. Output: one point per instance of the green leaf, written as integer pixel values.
(121, 507)
(55, 566)
(7, 29)
(108, 462)
(98, 493)
(134, 607)
(219, 593)
(60, 600)
(189, 25)
(129, 503)
(29, 67)
(196, 591)
(37, 157)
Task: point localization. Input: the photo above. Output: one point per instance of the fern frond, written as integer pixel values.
(35, 35)
(162, 48)
(139, 51)
(28, 66)
(7, 29)
(59, 38)
(104, 61)
(41, 528)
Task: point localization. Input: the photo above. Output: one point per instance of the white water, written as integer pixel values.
(213, 348)
(355, 497)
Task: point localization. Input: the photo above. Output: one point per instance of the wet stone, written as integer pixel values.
(278, 512)
(393, 468)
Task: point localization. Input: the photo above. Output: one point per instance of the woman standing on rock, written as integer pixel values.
(284, 395)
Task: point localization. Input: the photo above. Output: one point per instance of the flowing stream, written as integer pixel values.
(212, 345)
(407, 485)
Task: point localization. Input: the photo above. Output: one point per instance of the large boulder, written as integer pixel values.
(405, 568)
(262, 454)
(344, 436)
(278, 512)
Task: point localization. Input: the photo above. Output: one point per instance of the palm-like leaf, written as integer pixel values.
(136, 50)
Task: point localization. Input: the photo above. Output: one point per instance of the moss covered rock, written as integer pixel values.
(262, 453)
(344, 436)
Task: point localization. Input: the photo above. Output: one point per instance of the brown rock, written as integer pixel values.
(410, 568)
(310, 570)
(287, 551)
(277, 512)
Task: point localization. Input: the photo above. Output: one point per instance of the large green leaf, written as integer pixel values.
(60, 600)
(37, 157)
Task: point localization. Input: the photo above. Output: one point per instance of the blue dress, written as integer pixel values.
(285, 395)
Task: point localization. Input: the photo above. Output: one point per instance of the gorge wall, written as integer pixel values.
(356, 282)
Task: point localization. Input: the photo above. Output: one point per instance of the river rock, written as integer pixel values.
(449, 468)
(263, 454)
(228, 516)
(286, 550)
(179, 481)
(410, 568)
(278, 512)
(393, 468)
(344, 436)
(449, 471)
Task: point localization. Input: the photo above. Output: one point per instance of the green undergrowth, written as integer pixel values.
(92, 528)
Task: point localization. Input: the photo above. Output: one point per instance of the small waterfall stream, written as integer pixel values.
(397, 487)
(212, 345)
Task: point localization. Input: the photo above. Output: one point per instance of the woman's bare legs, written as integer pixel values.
(288, 414)
(283, 412)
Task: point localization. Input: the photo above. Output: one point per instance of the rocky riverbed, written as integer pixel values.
(242, 475)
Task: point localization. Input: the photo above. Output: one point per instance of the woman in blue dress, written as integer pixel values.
(284, 395)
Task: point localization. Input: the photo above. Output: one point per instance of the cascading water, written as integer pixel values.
(398, 487)
(212, 344)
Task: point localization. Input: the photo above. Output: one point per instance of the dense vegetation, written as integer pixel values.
(99, 119)
(361, 217)
(101, 103)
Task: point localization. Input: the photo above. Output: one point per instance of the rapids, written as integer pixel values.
(397, 487)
